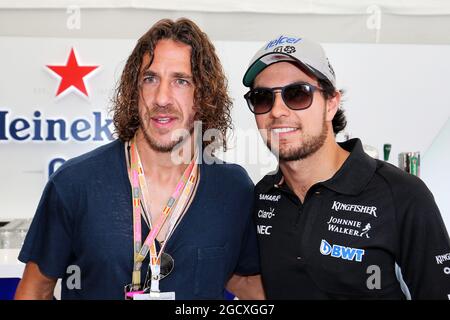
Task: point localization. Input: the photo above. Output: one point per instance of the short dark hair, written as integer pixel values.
(329, 91)
(339, 121)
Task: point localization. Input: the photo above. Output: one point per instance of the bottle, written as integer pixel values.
(409, 162)
(386, 151)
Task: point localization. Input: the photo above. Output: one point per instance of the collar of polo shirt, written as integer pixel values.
(350, 179)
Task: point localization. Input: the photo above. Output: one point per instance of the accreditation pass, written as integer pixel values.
(155, 296)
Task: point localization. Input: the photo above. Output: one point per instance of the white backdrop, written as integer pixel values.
(394, 94)
(417, 7)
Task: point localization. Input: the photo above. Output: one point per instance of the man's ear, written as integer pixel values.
(332, 106)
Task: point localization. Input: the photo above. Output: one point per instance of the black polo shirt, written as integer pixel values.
(372, 231)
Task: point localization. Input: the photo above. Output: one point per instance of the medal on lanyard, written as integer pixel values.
(177, 201)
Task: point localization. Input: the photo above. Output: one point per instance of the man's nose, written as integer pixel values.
(279, 108)
(163, 94)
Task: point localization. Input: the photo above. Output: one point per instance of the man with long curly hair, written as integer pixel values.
(145, 216)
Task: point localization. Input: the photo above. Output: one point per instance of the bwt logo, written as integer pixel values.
(281, 40)
(337, 251)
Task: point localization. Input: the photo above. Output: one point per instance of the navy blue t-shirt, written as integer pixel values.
(84, 218)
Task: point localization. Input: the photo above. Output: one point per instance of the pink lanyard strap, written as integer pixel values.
(183, 190)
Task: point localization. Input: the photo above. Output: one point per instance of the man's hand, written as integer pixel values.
(246, 287)
(35, 285)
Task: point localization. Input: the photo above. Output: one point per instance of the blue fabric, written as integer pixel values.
(84, 218)
(8, 288)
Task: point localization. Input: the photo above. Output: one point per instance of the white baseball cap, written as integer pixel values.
(307, 53)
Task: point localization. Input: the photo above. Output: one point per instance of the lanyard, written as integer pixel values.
(175, 208)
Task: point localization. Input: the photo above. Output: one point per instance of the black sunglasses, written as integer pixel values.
(297, 96)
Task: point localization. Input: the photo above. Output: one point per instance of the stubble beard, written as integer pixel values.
(167, 147)
(310, 145)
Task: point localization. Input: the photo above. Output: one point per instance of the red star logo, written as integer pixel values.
(72, 74)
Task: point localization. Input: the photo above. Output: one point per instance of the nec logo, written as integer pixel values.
(281, 40)
(265, 230)
(341, 252)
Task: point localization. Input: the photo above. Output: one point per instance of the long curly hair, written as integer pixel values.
(212, 103)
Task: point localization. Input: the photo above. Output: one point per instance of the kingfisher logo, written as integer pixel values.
(282, 40)
(341, 252)
(338, 206)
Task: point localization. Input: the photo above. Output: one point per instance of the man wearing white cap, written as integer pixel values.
(334, 223)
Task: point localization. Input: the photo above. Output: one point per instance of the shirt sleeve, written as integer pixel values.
(249, 261)
(424, 245)
(48, 242)
(249, 256)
